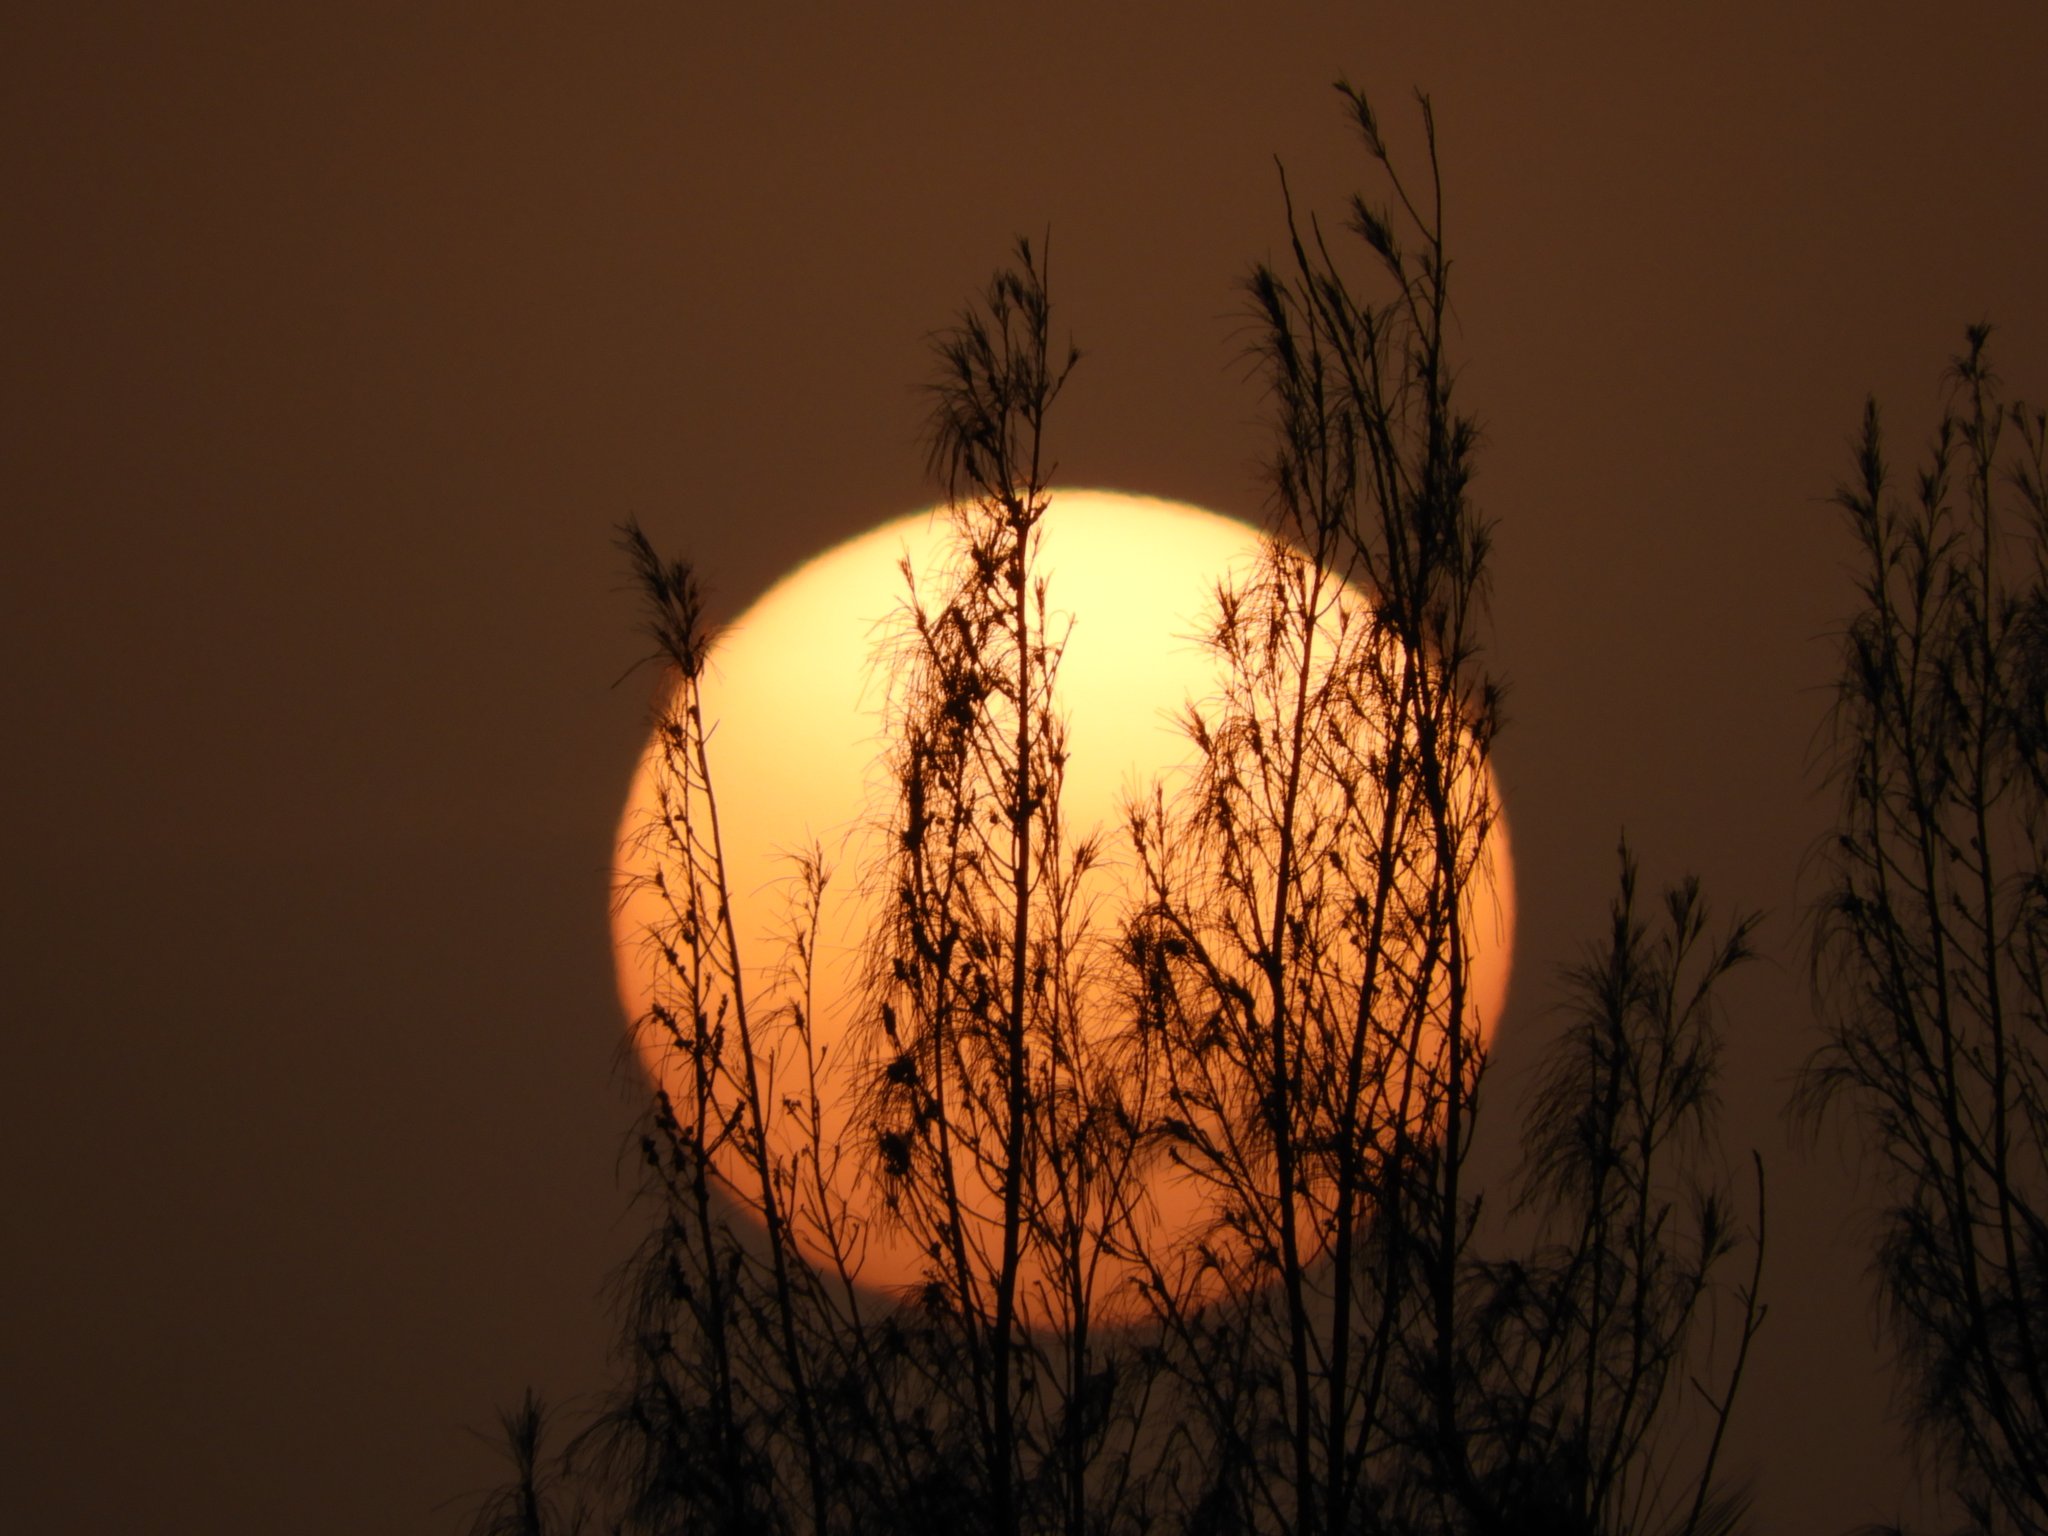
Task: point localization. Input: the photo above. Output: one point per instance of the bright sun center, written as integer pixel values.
(793, 699)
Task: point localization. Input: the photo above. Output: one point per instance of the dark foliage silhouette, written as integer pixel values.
(1272, 1004)
(1931, 936)
(1582, 1355)
(529, 1503)
(1001, 1132)
(1307, 936)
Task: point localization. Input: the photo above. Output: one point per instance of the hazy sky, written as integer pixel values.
(338, 338)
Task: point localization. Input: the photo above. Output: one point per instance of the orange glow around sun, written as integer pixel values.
(796, 702)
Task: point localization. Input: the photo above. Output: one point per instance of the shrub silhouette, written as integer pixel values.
(1928, 941)
(1284, 1017)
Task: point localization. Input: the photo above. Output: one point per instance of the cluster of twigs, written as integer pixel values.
(1280, 1015)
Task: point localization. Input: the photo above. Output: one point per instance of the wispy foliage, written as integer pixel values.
(1585, 1356)
(999, 1131)
(1307, 949)
(1273, 1011)
(531, 1501)
(1931, 938)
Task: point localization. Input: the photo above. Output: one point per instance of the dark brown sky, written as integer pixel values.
(336, 339)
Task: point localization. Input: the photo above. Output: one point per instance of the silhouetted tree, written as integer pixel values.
(718, 1375)
(990, 1080)
(1931, 941)
(1307, 948)
(1579, 1356)
(1302, 975)
(528, 1504)
(1282, 1017)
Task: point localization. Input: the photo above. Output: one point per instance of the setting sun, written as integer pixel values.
(792, 702)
